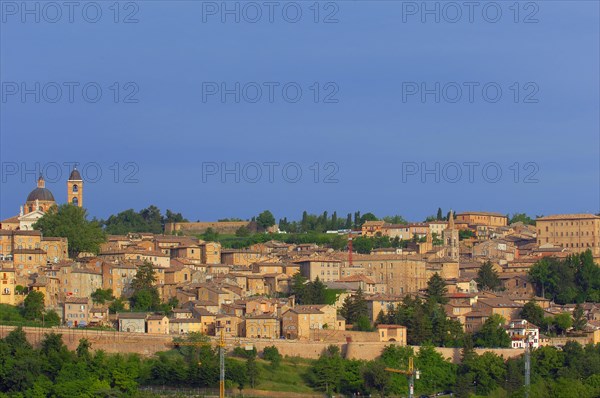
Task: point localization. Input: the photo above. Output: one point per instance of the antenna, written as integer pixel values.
(527, 366)
(350, 249)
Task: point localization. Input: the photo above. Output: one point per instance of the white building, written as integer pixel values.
(521, 332)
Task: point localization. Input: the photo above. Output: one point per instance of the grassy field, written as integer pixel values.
(288, 377)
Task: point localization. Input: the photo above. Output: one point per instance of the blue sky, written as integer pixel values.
(367, 134)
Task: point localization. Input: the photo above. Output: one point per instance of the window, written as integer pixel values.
(75, 188)
(75, 202)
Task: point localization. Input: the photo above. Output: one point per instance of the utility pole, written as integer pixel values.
(221, 346)
(527, 366)
(350, 249)
(411, 374)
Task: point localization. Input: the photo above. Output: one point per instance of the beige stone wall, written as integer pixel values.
(122, 342)
(223, 227)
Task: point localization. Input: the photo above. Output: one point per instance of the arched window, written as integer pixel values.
(76, 201)
(75, 188)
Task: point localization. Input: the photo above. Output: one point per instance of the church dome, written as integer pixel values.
(42, 194)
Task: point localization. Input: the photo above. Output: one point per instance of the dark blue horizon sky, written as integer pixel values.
(367, 134)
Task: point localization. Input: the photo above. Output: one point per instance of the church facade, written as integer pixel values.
(40, 200)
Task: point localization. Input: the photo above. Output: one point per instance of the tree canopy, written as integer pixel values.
(575, 279)
(265, 220)
(436, 289)
(51, 370)
(69, 221)
(487, 277)
(425, 321)
(308, 292)
(148, 220)
(355, 311)
(492, 333)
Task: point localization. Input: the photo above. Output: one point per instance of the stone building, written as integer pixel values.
(7, 285)
(326, 269)
(576, 232)
(473, 218)
(262, 326)
(76, 311)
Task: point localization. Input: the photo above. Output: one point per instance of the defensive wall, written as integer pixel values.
(147, 345)
(222, 227)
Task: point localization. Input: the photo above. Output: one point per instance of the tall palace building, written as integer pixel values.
(41, 199)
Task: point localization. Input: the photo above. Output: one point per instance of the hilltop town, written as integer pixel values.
(309, 292)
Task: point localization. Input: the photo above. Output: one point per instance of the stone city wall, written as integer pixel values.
(144, 344)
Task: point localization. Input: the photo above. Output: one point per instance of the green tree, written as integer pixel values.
(563, 322)
(487, 277)
(539, 274)
(315, 292)
(328, 370)
(33, 305)
(69, 221)
(363, 324)
(492, 333)
(376, 377)
(171, 217)
(116, 306)
(488, 372)
(265, 220)
(145, 295)
(298, 287)
(397, 357)
(397, 219)
(51, 318)
(210, 235)
(83, 349)
(355, 307)
(465, 234)
(533, 313)
(125, 222)
(464, 378)
(236, 372)
(272, 354)
(362, 244)
(439, 215)
(352, 379)
(441, 374)
(52, 342)
(101, 296)
(367, 217)
(579, 319)
(514, 375)
(521, 217)
(436, 289)
(574, 279)
(252, 371)
(144, 277)
(242, 231)
(17, 339)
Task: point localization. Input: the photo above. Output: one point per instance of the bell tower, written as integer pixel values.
(451, 238)
(75, 188)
